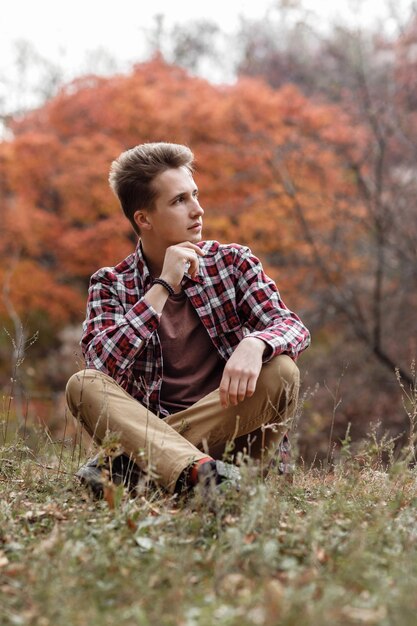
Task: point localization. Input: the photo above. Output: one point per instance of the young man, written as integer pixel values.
(187, 343)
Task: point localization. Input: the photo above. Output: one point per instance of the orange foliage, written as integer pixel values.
(61, 222)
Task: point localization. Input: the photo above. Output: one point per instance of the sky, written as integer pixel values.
(71, 34)
(82, 24)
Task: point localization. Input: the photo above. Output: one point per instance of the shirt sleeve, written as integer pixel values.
(263, 312)
(113, 337)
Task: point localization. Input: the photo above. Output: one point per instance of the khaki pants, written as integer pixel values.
(170, 444)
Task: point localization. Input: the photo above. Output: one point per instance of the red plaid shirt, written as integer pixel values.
(231, 294)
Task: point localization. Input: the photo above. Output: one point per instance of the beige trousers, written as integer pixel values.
(170, 444)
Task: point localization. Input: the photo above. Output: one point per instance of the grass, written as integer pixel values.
(338, 546)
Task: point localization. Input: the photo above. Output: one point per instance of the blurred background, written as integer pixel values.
(303, 120)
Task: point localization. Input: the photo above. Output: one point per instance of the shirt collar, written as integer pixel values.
(141, 264)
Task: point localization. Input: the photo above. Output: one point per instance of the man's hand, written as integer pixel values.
(178, 259)
(241, 372)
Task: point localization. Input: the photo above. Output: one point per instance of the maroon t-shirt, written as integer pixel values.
(192, 367)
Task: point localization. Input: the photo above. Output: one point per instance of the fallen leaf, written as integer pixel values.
(34, 516)
(144, 543)
(131, 524)
(14, 569)
(3, 559)
(49, 543)
(321, 555)
(9, 590)
(235, 584)
(54, 511)
(274, 594)
(365, 615)
(109, 495)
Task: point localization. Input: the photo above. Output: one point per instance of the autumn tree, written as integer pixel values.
(61, 220)
(370, 76)
(274, 168)
(58, 210)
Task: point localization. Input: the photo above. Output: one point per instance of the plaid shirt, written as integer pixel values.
(231, 294)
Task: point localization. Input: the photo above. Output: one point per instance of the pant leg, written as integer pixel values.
(209, 426)
(102, 406)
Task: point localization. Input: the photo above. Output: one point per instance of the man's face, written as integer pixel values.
(177, 214)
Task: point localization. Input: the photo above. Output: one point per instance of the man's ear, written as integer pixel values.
(141, 219)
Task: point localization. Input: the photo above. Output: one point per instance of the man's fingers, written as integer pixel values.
(180, 259)
(191, 264)
(241, 373)
(224, 390)
(198, 250)
(190, 252)
(233, 391)
(242, 389)
(192, 246)
(247, 386)
(236, 385)
(250, 390)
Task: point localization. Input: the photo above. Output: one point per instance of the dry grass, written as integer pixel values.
(335, 547)
(338, 546)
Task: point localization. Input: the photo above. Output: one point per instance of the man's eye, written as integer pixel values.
(178, 200)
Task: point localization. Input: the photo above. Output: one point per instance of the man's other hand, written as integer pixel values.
(241, 372)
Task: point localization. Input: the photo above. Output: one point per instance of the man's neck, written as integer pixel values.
(154, 257)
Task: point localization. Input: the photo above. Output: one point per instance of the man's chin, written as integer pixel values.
(195, 237)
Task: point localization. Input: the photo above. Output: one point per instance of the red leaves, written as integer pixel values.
(63, 222)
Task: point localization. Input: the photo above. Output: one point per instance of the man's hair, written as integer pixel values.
(132, 174)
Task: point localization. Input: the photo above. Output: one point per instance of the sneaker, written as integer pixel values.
(217, 473)
(119, 470)
(282, 459)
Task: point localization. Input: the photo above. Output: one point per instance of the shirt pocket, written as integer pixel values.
(231, 331)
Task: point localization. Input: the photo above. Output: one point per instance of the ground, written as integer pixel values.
(337, 546)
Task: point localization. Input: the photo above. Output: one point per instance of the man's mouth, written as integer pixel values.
(196, 226)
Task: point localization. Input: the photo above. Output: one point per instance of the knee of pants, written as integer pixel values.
(77, 386)
(279, 377)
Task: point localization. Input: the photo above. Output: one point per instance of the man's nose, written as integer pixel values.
(197, 208)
